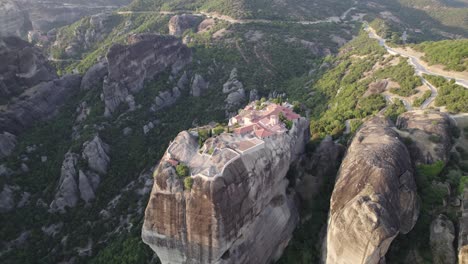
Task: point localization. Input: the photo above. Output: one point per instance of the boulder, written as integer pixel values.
(232, 84)
(238, 210)
(442, 235)
(178, 24)
(96, 153)
(146, 56)
(374, 197)
(206, 24)
(430, 133)
(198, 85)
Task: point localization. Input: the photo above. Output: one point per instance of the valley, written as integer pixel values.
(244, 131)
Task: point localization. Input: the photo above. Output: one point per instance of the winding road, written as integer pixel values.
(418, 67)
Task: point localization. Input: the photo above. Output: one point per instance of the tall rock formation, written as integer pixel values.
(238, 209)
(22, 66)
(146, 56)
(14, 20)
(374, 197)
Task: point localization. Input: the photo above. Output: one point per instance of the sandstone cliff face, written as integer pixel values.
(22, 66)
(374, 197)
(243, 214)
(143, 59)
(430, 134)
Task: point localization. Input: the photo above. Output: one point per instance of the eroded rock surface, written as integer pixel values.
(236, 93)
(22, 66)
(96, 153)
(38, 103)
(374, 197)
(14, 19)
(237, 211)
(178, 24)
(146, 56)
(442, 235)
(198, 85)
(430, 135)
(94, 77)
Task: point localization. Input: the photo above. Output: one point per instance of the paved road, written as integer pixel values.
(414, 61)
(418, 67)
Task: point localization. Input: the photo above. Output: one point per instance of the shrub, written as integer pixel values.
(431, 171)
(182, 170)
(435, 138)
(188, 183)
(218, 130)
(463, 183)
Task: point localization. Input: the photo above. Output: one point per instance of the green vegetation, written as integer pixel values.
(420, 100)
(431, 171)
(404, 74)
(188, 183)
(182, 170)
(218, 130)
(453, 54)
(450, 94)
(343, 87)
(395, 109)
(288, 123)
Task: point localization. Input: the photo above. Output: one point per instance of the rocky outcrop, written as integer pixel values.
(7, 144)
(14, 20)
(430, 135)
(166, 98)
(442, 235)
(96, 153)
(236, 211)
(236, 93)
(38, 103)
(146, 56)
(374, 197)
(73, 185)
(178, 24)
(67, 194)
(198, 85)
(22, 67)
(7, 202)
(94, 77)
